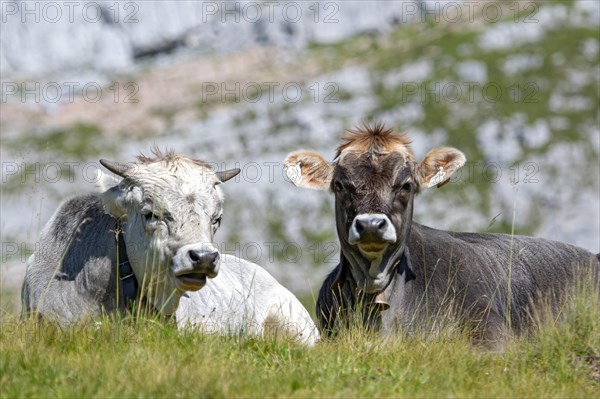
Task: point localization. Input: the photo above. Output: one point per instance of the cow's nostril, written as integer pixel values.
(203, 257)
(213, 257)
(194, 256)
(359, 226)
(380, 224)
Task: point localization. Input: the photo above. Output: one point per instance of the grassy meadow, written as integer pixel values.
(150, 358)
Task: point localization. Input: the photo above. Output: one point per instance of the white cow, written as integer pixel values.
(244, 299)
(150, 238)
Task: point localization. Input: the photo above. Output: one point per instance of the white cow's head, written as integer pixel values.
(170, 207)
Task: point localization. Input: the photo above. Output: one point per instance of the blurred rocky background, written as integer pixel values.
(515, 85)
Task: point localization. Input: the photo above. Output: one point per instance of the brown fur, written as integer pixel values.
(449, 158)
(316, 171)
(374, 138)
(377, 151)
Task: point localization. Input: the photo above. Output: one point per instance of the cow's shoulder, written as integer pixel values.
(73, 260)
(72, 213)
(79, 236)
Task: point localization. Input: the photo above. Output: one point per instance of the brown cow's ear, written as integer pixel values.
(308, 169)
(438, 166)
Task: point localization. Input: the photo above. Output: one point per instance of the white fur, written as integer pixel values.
(244, 299)
(149, 244)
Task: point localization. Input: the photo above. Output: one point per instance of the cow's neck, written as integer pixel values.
(379, 300)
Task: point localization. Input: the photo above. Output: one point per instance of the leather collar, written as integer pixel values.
(127, 281)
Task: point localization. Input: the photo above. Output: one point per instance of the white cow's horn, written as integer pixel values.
(225, 175)
(115, 167)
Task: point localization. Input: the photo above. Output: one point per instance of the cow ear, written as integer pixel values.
(114, 199)
(225, 175)
(308, 169)
(121, 198)
(438, 166)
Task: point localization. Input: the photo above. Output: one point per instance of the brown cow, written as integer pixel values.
(403, 274)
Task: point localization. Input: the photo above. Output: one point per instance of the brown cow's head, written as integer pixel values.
(374, 178)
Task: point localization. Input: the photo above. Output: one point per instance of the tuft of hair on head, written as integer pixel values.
(169, 156)
(158, 156)
(374, 138)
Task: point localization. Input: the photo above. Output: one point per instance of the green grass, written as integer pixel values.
(151, 358)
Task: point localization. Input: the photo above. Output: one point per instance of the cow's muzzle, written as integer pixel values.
(372, 232)
(205, 262)
(200, 264)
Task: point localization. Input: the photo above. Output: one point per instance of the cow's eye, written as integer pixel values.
(150, 216)
(405, 188)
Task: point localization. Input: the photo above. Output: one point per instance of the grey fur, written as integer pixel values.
(469, 272)
(67, 278)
